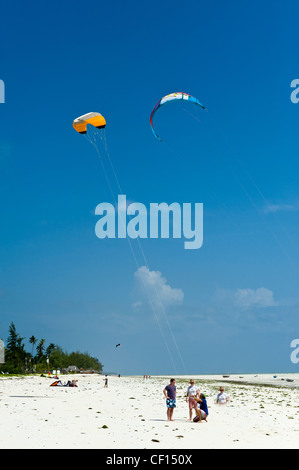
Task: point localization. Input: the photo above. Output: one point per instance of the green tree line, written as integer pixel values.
(41, 358)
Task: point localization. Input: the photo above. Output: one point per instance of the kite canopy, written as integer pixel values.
(95, 119)
(172, 97)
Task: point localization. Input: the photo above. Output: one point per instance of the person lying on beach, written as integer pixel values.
(170, 395)
(192, 392)
(69, 383)
(202, 412)
(222, 397)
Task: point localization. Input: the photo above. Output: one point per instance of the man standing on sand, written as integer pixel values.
(170, 395)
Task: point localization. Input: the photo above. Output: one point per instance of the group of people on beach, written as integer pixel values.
(196, 400)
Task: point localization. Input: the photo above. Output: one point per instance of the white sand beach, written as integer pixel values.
(263, 412)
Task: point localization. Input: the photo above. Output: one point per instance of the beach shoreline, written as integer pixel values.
(287, 380)
(131, 413)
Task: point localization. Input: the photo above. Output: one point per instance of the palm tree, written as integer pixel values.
(40, 349)
(33, 341)
(50, 349)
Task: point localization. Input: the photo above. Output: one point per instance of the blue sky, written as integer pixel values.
(232, 305)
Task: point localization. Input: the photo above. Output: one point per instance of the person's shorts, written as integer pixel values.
(170, 403)
(193, 403)
(202, 414)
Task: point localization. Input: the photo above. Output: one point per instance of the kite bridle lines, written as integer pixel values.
(92, 136)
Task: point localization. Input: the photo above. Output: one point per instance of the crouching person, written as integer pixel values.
(201, 412)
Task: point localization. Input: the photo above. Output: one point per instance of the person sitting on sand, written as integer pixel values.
(222, 397)
(170, 395)
(192, 392)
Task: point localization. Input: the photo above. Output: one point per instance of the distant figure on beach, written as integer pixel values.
(106, 382)
(170, 395)
(222, 397)
(192, 393)
(202, 411)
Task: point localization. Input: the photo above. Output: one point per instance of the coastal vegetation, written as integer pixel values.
(42, 357)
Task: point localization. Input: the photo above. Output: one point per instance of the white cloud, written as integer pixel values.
(261, 297)
(158, 291)
(137, 305)
(273, 208)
